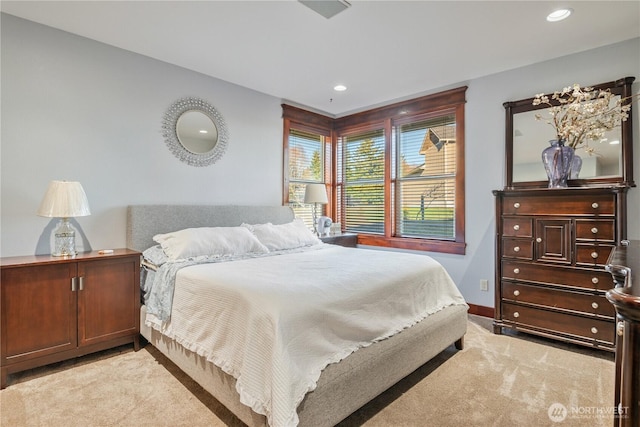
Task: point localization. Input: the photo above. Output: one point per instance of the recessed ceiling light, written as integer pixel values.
(204, 131)
(340, 88)
(559, 15)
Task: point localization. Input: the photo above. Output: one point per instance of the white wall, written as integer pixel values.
(76, 109)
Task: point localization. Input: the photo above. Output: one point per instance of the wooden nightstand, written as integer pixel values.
(349, 240)
(56, 308)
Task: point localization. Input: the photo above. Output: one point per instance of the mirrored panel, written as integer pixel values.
(608, 161)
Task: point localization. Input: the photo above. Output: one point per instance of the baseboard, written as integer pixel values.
(480, 310)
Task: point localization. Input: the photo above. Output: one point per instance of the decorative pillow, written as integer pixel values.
(284, 236)
(209, 241)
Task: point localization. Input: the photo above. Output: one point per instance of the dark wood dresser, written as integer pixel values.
(624, 266)
(551, 249)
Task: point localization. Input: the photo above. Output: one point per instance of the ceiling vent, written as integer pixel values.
(326, 8)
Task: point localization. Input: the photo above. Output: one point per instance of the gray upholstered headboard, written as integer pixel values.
(145, 221)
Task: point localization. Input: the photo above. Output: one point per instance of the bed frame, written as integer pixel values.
(343, 387)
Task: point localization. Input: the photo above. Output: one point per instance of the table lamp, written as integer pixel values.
(64, 199)
(315, 194)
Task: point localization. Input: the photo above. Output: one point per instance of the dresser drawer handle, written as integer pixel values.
(594, 330)
(516, 205)
(539, 239)
(620, 328)
(516, 314)
(516, 270)
(594, 230)
(594, 255)
(516, 227)
(516, 293)
(516, 249)
(594, 205)
(594, 305)
(594, 280)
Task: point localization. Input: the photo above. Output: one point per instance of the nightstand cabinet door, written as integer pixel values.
(107, 304)
(38, 311)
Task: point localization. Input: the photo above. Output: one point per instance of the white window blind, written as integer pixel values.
(362, 193)
(306, 165)
(425, 186)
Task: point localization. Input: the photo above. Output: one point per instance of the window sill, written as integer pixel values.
(449, 247)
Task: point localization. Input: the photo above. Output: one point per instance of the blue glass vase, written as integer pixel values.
(576, 165)
(557, 159)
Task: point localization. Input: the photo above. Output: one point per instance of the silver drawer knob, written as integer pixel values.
(516, 205)
(516, 293)
(620, 328)
(539, 239)
(594, 255)
(516, 227)
(594, 280)
(594, 205)
(594, 230)
(516, 314)
(516, 270)
(516, 249)
(594, 304)
(594, 330)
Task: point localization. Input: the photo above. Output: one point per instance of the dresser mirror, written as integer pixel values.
(195, 132)
(526, 137)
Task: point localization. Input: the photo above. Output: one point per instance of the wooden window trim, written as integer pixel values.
(386, 118)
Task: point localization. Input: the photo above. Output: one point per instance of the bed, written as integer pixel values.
(347, 381)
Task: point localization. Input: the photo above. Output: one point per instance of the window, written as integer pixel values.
(308, 160)
(426, 178)
(398, 179)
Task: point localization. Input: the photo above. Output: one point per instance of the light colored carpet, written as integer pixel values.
(497, 380)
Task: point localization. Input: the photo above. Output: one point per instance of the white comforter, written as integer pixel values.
(275, 322)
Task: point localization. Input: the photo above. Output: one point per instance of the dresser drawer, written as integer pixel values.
(578, 327)
(592, 255)
(517, 248)
(580, 278)
(588, 304)
(582, 205)
(517, 227)
(603, 230)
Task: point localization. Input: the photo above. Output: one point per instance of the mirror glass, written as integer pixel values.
(196, 132)
(531, 136)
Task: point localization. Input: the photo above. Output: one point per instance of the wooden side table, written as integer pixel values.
(624, 266)
(348, 240)
(58, 308)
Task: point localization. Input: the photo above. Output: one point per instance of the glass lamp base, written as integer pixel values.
(64, 239)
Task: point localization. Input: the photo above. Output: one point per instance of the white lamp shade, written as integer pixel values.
(64, 199)
(315, 193)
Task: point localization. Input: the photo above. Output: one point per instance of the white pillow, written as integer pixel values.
(284, 236)
(209, 241)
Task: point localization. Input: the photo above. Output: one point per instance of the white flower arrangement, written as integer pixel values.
(582, 114)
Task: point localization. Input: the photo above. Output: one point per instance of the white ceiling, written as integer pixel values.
(381, 50)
